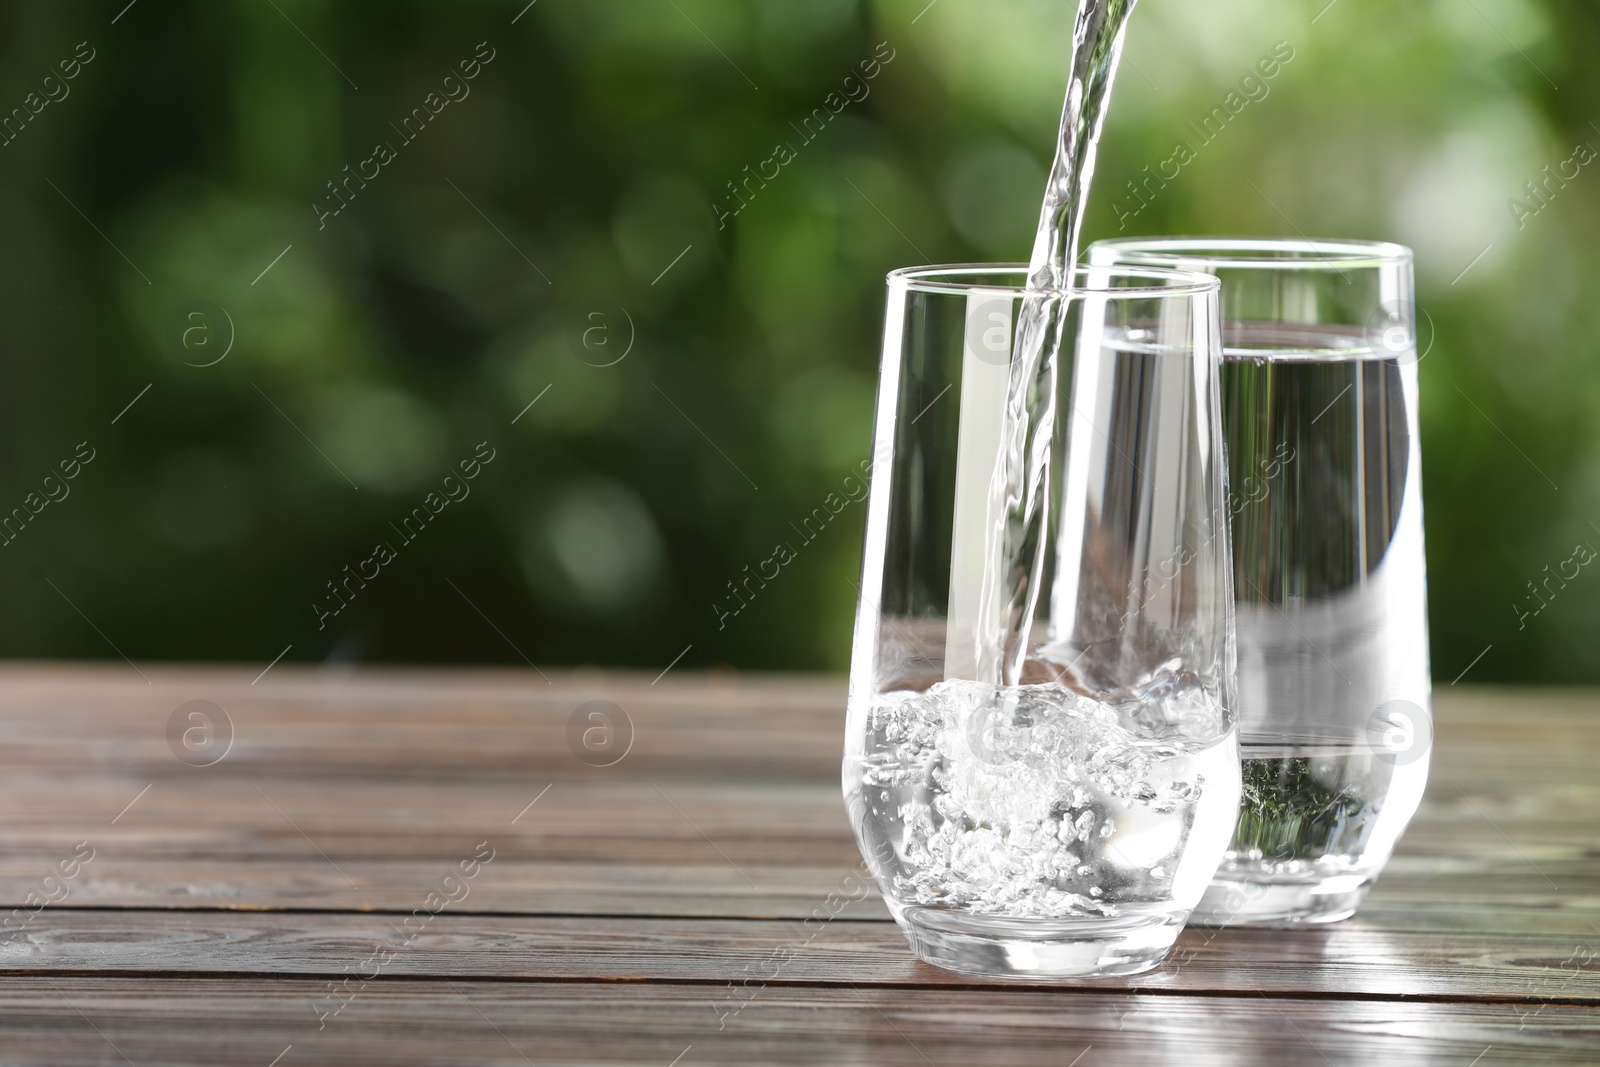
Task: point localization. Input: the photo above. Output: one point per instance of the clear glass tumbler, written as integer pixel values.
(1319, 397)
(1066, 824)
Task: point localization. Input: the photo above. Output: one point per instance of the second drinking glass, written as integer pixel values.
(1320, 404)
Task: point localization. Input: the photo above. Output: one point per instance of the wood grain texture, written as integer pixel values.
(223, 903)
(1352, 959)
(409, 1022)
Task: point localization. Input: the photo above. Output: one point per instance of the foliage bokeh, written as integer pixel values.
(577, 203)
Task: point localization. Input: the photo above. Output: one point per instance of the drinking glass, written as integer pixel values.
(1319, 397)
(1066, 823)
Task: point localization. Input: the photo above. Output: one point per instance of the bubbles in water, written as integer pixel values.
(1078, 816)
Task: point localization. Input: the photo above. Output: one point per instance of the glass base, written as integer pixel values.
(1238, 901)
(1040, 950)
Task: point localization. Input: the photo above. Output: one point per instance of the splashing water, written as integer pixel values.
(1051, 809)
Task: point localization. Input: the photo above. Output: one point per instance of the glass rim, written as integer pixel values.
(958, 278)
(1254, 253)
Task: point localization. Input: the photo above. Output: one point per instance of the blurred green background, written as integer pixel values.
(552, 234)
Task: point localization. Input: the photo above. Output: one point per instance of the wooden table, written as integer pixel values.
(406, 867)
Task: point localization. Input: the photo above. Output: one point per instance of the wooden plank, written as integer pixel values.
(1446, 899)
(492, 722)
(511, 888)
(423, 724)
(627, 848)
(1353, 959)
(67, 1022)
(393, 818)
